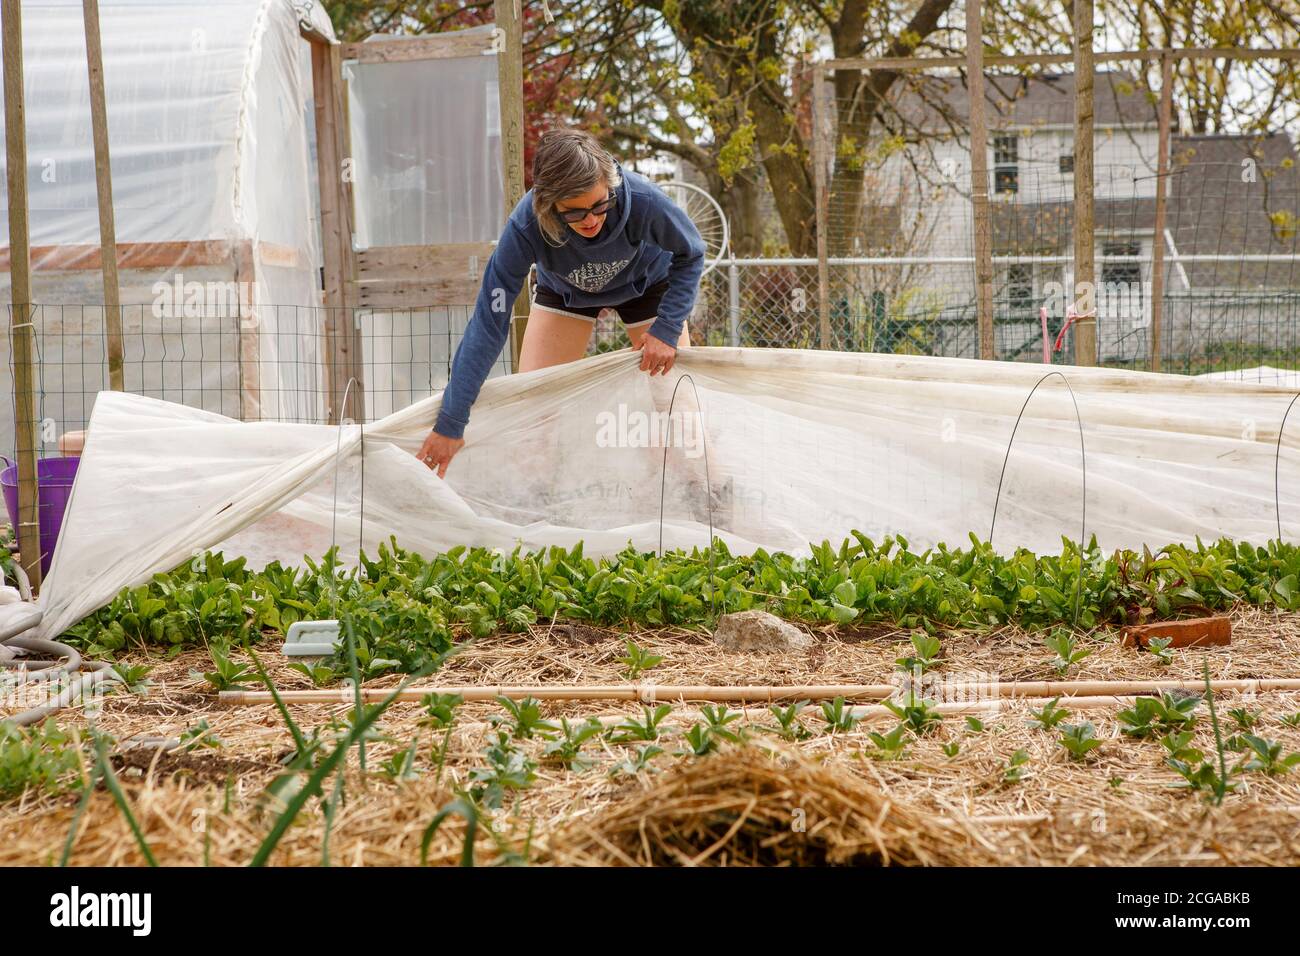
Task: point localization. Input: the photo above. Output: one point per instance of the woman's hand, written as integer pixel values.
(656, 356)
(438, 451)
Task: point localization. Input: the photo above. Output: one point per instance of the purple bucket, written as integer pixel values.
(54, 476)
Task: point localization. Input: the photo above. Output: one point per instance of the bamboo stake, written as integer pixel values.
(510, 93)
(104, 192)
(1162, 191)
(979, 179)
(1085, 266)
(22, 314)
(652, 693)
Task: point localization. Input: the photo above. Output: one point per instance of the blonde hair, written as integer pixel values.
(568, 162)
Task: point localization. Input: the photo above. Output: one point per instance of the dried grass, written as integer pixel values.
(737, 807)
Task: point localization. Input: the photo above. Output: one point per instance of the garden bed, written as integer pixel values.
(1007, 792)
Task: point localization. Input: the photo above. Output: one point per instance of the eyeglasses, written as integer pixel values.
(577, 215)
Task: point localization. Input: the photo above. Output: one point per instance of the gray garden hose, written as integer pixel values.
(60, 661)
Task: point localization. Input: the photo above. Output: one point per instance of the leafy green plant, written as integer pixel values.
(638, 660)
(1267, 756)
(407, 610)
(974, 725)
(1291, 720)
(226, 673)
(1198, 772)
(1065, 646)
(951, 748)
(893, 745)
(321, 675)
(789, 726)
(647, 729)
(1178, 744)
(700, 741)
(719, 721)
(440, 710)
(525, 719)
(1013, 771)
(1050, 714)
(508, 769)
(917, 715)
(1160, 647)
(36, 758)
(134, 677)
(567, 749)
(1079, 740)
(1155, 716)
(838, 716)
(401, 765)
(926, 654)
(199, 736)
(631, 766)
(1243, 718)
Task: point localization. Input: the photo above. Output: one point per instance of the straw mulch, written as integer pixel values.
(832, 799)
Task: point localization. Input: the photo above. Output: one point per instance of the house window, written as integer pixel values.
(1006, 171)
(1020, 286)
(1122, 295)
(1125, 272)
(1005, 150)
(1066, 163)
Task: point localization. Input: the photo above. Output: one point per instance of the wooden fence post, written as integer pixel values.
(22, 315)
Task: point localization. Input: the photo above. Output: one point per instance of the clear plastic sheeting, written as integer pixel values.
(207, 107)
(799, 446)
(426, 138)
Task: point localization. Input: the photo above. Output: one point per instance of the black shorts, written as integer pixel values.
(640, 311)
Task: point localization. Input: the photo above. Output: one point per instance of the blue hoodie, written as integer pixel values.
(646, 238)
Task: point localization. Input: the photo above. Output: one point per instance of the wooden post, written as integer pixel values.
(1162, 192)
(510, 91)
(1085, 265)
(979, 179)
(20, 275)
(821, 153)
(341, 345)
(104, 191)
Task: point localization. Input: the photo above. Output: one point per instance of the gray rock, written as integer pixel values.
(759, 632)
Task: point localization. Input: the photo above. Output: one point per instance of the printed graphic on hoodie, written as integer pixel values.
(594, 276)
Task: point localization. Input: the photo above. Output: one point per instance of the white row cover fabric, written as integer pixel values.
(800, 445)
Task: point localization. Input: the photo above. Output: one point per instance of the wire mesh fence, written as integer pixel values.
(273, 365)
(265, 364)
